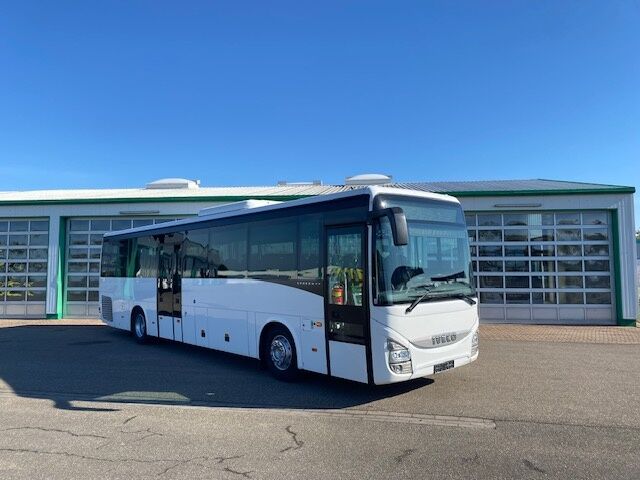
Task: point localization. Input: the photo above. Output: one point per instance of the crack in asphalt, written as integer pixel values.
(405, 453)
(148, 431)
(55, 430)
(218, 460)
(294, 436)
(129, 419)
(84, 457)
(174, 462)
(180, 463)
(531, 466)
(238, 472)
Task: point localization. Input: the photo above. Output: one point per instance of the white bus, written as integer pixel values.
(372, 285)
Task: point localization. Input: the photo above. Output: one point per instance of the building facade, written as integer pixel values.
(543, 251)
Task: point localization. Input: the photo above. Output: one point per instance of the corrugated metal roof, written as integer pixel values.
(508, 186)
(467, 188)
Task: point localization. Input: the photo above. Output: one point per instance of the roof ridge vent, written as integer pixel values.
(368, 179)
(235, 207)
(172, 184)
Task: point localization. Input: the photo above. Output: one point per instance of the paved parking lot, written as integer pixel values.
(78, 400)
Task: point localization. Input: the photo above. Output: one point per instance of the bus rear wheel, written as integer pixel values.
(139, 327)
(280, 354)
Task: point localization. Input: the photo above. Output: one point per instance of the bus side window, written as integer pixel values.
(309, 238)
(227, 252)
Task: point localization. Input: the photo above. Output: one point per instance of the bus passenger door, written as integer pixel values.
(169, 289)
(345, 302)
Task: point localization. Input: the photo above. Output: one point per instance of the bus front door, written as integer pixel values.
(169, 290)
(345, 302)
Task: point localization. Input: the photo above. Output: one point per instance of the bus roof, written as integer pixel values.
(371, 191)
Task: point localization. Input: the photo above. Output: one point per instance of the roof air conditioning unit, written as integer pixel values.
(369, 179)
(173, 183)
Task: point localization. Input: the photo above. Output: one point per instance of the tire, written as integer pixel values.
(139, 327)
(280, 356)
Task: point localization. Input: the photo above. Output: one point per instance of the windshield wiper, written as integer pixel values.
(418, 300)
(463, 296)
(439, 296)
(451, 276)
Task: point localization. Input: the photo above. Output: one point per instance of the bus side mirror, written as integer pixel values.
(398, 221)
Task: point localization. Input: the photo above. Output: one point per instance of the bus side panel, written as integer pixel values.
(227, 330)
(189, 324)
(127, 293)
(233, 306)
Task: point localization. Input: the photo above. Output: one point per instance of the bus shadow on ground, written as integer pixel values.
(94, 363)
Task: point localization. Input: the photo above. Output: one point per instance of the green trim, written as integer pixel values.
(615, 243)
(623, 322)
(540, 193)
(54, 316)
(61, 284)
(228, 198)
(582, 183)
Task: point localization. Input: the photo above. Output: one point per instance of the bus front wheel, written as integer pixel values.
(139, 326)
(280, 354)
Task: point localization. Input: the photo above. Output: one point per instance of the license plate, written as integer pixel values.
(441, 367)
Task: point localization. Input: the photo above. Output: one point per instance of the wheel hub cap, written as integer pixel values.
(281, 352)
(140, 327)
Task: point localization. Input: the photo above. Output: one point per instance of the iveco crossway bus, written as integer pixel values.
(372, 285)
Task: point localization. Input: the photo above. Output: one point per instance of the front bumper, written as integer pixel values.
(423, 360)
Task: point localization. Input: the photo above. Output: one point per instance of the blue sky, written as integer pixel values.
(115, 94)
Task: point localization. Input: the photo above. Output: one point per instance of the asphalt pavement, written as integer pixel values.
(86, 401)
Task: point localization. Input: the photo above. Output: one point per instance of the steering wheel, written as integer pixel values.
(399, 278)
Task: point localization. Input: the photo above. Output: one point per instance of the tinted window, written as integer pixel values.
(272, 249)
(309, 262)
(228, 251)
(195, 263)
(114, 258)
(145, 254)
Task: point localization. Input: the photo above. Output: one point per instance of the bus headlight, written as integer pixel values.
(399, 358)
(474, 343)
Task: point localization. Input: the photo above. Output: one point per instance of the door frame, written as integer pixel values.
(364, 228)
(171, 278)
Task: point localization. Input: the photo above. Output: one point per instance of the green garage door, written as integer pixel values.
(83, 249)
(24, 250)
(543, 267)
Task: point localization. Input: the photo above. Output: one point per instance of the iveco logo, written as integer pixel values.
(443, 339)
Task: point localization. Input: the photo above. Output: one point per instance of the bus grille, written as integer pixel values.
(107, 309)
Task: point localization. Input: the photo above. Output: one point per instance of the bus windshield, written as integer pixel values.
(436, 259)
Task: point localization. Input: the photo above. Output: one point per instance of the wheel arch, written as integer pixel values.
(266, 328)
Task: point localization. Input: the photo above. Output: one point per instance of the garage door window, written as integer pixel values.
(23, 267)
(543, 259)
(84, 245)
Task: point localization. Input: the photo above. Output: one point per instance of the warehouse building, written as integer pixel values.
(544, 251)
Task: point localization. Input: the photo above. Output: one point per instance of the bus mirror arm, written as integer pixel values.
(398, 222)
